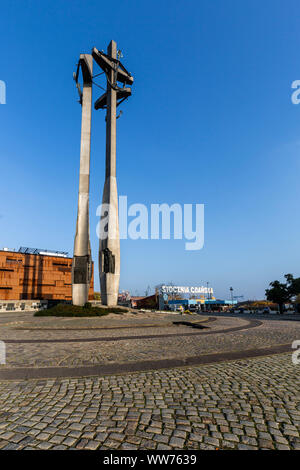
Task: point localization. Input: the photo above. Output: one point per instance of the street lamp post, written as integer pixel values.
(231, 291)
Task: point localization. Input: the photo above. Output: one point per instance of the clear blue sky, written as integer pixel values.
(210, 121)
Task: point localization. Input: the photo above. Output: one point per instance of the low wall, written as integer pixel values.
(22, 305)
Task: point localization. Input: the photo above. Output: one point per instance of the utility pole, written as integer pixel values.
(208, 295)
(231, 291)
(82, 265)
(109, 245)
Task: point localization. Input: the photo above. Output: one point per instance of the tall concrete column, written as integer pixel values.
(81, 267)
(109, 248)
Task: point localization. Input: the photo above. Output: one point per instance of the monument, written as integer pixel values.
(109, 245)
(82, 265)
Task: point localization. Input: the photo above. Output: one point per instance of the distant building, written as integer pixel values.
(150, 301)
(204, 304)
(30, 274)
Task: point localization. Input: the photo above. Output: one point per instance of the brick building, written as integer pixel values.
(36, 274)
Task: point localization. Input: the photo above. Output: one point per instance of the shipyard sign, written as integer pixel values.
(186, 290)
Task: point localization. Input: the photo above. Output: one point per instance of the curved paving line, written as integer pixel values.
(122, 327)
(250, 324)
(142, 366)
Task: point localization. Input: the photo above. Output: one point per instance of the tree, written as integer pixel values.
(297, 303)
(293, 285)
(97, 296)
(278, 293)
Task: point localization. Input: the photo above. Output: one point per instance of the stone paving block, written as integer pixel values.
(48, 445)
(290, 432)
(251, 432)
(160, 438)
(34, 432)
(112, 444)
(265, 444)
(294, 445)
(227, 444)
(249, 440)
(11, 446)
(147, 444)
(280, 440)
(63, 432)
(22, 429)
(198, 405)
(56, 439)
(163, 447)
(69, 441)
(128, 446)
(231, 437)
(81, 444)
(246, 447)
(177, 442)
(204, 446)
(43, 436)
(7, 436)
(283, 447)
(92, 445)
(212, 440)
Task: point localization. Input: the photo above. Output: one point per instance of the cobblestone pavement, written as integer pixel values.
(245, 404)
(23, 327)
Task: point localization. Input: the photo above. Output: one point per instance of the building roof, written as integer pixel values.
(38, 251)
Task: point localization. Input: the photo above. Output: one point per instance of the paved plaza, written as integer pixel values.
(225, 403)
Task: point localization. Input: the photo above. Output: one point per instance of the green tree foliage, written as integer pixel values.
(278, 293)
(281, 293)
(293, 284)
(297, 303)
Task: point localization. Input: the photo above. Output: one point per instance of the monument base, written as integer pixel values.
(109, 284)
(80, 294)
